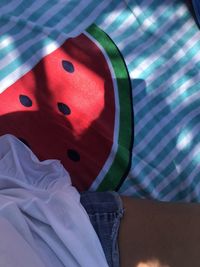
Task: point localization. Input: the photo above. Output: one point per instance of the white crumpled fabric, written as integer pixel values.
(42, 222)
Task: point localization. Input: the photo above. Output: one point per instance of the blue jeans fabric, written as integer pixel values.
(105, 210)
(196, 5)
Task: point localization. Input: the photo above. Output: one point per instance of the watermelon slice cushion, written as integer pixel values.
(75, 106)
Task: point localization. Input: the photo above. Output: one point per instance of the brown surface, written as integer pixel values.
(158, 234)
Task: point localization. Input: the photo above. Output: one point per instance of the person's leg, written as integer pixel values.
(158, 234)
(105, 210)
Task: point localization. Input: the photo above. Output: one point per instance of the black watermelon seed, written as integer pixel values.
(25, 100)
(73, 155)
(64, 108)
(68, 66)
(24, 141)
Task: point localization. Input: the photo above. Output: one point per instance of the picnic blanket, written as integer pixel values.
(110, 88)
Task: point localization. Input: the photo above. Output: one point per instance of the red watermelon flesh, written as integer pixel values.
(64, 109)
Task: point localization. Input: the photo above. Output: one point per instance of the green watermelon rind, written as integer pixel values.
(123, 157)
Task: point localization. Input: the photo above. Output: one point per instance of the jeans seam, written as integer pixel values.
(115, 245)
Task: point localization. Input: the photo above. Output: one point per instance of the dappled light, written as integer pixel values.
(152, 263)
(184, 139)
(159, 47)
(70, 79)
(64, 107)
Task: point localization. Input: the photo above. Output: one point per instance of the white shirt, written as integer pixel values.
(42, 222)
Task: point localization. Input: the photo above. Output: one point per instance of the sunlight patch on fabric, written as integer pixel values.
(184, 139)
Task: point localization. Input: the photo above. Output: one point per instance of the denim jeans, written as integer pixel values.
(105, 211)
